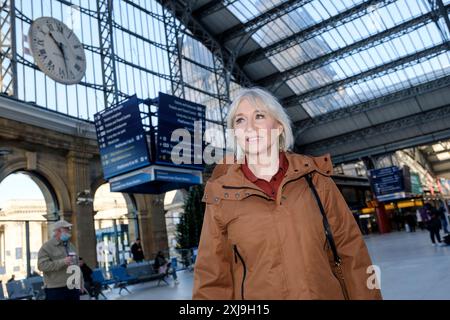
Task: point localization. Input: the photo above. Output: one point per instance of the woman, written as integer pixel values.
(263, 233)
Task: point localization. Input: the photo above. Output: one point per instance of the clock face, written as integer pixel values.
(57, 50)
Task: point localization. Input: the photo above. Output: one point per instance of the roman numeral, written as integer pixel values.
(42, 52)
(62, 73)
(77, 67)
(50, 27)
(79, 58)
(60, 29)
(50, 65)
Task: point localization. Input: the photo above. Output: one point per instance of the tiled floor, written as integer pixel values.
(411, 268)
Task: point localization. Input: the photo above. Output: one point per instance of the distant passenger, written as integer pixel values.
(434, 224)
(443, 216)
(136, 251)
(13, 277)
(162, 266)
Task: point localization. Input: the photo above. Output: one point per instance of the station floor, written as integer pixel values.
(411, 269)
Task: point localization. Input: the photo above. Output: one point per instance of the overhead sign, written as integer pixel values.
(138, 158)
(386, 180)
(416, 185)
(155, 179)
(175, 113)
(121, 138)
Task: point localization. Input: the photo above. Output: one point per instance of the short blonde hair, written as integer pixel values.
(267, 102)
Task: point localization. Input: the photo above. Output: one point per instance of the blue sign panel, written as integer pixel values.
(121, 138)
(181, 177)
(387, 181)
(155, 179)
(175, 113)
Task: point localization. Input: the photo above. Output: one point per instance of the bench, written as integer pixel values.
(122, 278)
(2, 293)
(98, 277)
(144, 271)
(37, 286)
(18, 290)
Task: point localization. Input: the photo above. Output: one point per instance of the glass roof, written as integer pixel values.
(358, 74)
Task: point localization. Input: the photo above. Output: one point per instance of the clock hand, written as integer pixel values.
(60, 47)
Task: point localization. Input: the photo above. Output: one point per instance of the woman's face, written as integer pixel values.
(255, 129)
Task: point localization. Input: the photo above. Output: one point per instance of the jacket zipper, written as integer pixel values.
(236, 255)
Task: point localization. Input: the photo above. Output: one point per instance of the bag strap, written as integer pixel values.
(326, 225)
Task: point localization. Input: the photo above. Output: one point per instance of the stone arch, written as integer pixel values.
(52, 185)
(129, 198)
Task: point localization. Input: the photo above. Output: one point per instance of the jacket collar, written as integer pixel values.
(228, 180)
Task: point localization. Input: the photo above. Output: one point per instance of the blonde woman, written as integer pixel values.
(276, 226)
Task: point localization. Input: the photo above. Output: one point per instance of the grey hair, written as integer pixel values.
(267, 102)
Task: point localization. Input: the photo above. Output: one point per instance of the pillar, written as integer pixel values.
(83, 230)
(382, 218)
(152, 224)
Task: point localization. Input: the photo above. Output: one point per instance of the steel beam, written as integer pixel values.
(375, 72)
(358, 46)
(105, 26)
(312, 31)
(262, 19)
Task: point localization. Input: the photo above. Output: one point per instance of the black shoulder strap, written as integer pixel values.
(326, 225)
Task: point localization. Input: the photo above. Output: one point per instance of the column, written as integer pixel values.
(83, 234)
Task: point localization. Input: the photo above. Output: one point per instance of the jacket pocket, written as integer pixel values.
(237, 256)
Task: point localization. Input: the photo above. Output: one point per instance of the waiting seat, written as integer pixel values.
(122, 278)
(19, 290)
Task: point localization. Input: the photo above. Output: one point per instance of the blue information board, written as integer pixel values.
(175, 113)
(387, 180)
(121, 138)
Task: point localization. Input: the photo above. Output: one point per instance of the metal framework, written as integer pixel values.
(8, 82)
(411, 59)
(312, 31)
(174, 37)
(105, 26)
(211, 7)
(438, 6)
(375, 103)
(384, 128)
(358, 46)
(222, 57)
(256, 23)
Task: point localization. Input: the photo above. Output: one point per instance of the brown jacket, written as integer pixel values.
(252, 247)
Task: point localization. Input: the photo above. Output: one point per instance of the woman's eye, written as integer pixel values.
(260, 116)
(238, 120)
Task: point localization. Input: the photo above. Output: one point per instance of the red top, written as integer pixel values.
(269, 188)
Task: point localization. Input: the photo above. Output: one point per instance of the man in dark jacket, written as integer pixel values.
(93, 288)
(137, 252)
(434, 224)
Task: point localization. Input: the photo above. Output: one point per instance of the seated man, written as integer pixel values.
(93, 288)
(162, 266)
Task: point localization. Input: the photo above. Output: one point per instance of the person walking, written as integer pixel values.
(276, 226)
(54, 258)
(434, 224)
